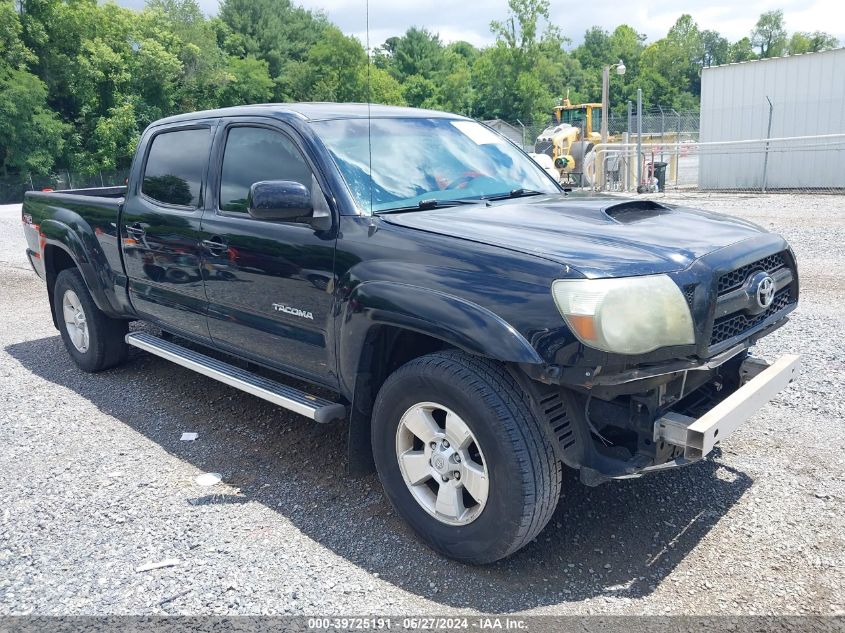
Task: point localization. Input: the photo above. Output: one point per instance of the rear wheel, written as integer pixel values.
(93, 340)
(462, 458)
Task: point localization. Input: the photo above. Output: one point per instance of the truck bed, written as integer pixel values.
(118, 191)
(80, 224)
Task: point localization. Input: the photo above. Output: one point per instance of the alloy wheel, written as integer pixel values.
(442, 464)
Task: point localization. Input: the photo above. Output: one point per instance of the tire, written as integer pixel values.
(102, 343)
(588, 174)
(585, 162)
(523, 474)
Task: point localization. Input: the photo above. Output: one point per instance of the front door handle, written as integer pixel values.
(135, 230)
(215, 245)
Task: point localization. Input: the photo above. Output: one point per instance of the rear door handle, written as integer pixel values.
(215, 245)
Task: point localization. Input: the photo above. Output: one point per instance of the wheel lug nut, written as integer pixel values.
(445, 478)
(432, 445)
(457, 475)
(457, 459)
(445, 443)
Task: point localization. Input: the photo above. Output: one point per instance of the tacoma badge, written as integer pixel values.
(280, 307)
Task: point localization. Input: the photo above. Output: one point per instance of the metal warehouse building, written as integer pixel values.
(801, 95)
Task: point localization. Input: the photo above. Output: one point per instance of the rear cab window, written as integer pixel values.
(175, 164)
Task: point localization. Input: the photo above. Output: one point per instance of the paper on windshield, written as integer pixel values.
(479, 134)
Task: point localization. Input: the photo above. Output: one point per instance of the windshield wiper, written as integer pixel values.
(433, 203)
(514, 193)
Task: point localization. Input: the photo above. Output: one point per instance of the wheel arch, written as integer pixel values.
(386, 324)
(64, 247)
(57, 257)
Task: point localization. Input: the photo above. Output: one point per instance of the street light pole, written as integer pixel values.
(605, 98)
(605, 89)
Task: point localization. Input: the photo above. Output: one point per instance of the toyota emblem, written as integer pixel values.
(766, 292)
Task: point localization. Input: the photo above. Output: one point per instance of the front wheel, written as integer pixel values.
(462, 458)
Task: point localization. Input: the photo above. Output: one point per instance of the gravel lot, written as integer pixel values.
(94, 482)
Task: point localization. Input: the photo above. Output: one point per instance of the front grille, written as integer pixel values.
(735, 278)
(733, 325)
(689, 293)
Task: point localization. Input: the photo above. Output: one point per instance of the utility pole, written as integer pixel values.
(605, 90)
(639, 139)
(628, 147)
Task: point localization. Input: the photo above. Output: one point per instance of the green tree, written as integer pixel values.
(741, 51)
(116, 138)
(686, 43)
(419, 92)
(670, 68)
(599, 49)
(417, 52)
(463, 49)
(31, 135)
(769, 34)
(811, 42)
(194, 41)
(715, 49)
(276, 31)
(455, 92)
(13, 51)
(511, 77)
(245, 81)
(383, 87)
(336, 69)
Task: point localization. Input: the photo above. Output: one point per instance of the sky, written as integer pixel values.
(470, 20)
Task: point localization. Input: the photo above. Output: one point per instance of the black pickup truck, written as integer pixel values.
(480, 327)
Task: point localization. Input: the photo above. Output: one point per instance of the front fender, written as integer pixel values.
(456, 321)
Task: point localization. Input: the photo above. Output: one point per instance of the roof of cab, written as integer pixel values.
(314, 112)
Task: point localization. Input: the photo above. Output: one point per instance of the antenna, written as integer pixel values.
(369, 104)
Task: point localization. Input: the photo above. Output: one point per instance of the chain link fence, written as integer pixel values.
(660, 124)
(13, 188)
(786, 164)
(668, 156)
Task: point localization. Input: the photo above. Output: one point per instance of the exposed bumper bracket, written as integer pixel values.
(698, 436)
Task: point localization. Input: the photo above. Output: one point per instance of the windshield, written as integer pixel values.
(415, 160)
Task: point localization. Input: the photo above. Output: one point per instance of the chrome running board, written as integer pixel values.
(318, 409)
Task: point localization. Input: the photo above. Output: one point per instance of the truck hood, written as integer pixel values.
(598, 236)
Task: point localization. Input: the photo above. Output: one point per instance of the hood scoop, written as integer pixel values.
(632, 211)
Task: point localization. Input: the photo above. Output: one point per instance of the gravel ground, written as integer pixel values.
(95, 482)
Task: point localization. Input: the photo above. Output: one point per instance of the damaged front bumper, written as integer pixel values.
(624, 429)
(698, 436)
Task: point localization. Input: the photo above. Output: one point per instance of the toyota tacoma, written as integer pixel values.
(479, 328)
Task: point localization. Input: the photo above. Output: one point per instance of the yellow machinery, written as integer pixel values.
(584, 116)
(569, 141)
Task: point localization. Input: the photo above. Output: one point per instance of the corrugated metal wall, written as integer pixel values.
(808, 95)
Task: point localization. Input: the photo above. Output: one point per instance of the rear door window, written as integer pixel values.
(175, 166)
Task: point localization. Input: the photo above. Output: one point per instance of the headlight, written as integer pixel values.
(629, 315)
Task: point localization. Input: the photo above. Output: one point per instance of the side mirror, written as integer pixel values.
(285, 200)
